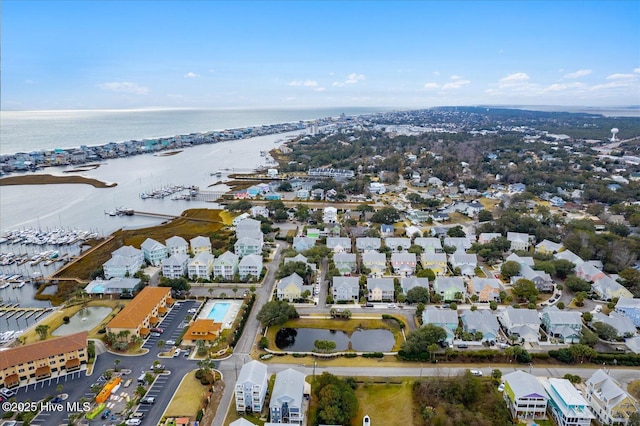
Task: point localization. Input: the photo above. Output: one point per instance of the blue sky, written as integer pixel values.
(290, 54)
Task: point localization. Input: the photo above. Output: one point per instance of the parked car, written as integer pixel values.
(148, 400)
(105, 414)
(157, 330)
(154, 334)
(462, 346)
(56, 400)
(192, 310)
(501, 387)
(170, 342)
(477, 373)
(133, 422)
(8, 393)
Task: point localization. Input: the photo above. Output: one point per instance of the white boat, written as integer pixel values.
(4, 285)
(366, 421)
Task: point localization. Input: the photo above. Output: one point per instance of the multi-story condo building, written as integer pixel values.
(251, 387)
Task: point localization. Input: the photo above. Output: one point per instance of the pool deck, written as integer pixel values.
(230, 315)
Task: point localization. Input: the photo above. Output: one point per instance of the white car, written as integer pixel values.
(476, 372)
(170, 342)
(133, 422)
(501, 387)
(192, 310)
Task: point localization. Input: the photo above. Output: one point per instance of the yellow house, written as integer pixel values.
(437, 262)
(142, 313)
(609, 402)
(290, 288)
(50, 358)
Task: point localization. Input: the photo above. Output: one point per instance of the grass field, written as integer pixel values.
(385, 404)
(188, 398)
(191, 224)
(46, 179)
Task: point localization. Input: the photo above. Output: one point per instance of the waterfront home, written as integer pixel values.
(259, 211)
(251, 387)
(291, 288)
(303, 243)
(113, 286)
(47, 359)
(346, 289)
(609, 402)
(201, 266)
(226, 265)
(141, 313)
(548, 247)
(398, 244)
(250, 266)
(175, 266)
(429, 244)
(125, 261)
(407, 283)
(563, 325)
(524, 395)
(461, 244)
(203, 330)
(465, 262)
(606, 288)
(246, 246)
(437, 262)
(487, 289)
(630, 308)
(300, 258)
(483, 321)
(287, 398)
(364, 244)
(566, 405)
(345, 263)
(176, 245)
(623, 325)
(240, 218)
(403, 264)
(450, 288)
(519, 241)
(522, 324)
(380, 289)
(330, 215)
(375, 262)
(200, 245)
(339, 244)
(153, 251)
(444, 318)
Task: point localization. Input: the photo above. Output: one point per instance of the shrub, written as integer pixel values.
(373, 355)
(66, 319)
(350, 355)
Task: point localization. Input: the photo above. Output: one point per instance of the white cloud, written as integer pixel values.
(337, 84)
(578, 74)
(436, 73)
(306, 83)
(514, 79)
(456, 84)
(431, 86)
(354, 78)
(191, 75)
(622, 77)
(636, 70)
(561, 87)
(125, 87)
(319, 89)
(455, 77)
(212, 70)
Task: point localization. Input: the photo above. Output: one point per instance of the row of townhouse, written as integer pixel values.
(286, 403)
(604, 400)
(604, 286)
(521, 324)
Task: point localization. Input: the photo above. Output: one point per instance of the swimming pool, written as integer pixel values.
(218, 311)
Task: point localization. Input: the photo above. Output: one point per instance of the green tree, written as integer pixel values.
(337, 402)
(563, 268)
(525, 290)
(419, 340)
(300, 268)
(509, 269)
(43, 331)
(574, 283)
(324, 345)
(276, 312)
(456, 231)
(418, 295)
(605, 331)
(426, 273)
(302, 212)
(176, 284)
(386, 215)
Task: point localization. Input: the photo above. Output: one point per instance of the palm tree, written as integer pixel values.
(432, 348)
(116, 362)
(42, 331)
(160, 343)
(210, 291)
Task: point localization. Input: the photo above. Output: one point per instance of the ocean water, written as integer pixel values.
(26, 131)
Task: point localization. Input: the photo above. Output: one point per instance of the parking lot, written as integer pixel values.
(77, 386)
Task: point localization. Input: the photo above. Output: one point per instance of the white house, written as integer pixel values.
(201, 266)
(176, 245)
(250, 265)
(175, 266)
(226, 265)
(251, 387)
(154, 252)
(330, 215)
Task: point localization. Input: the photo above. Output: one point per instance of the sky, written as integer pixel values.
(294, 54)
